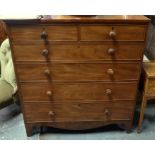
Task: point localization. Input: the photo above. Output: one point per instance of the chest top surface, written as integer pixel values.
(82, 19)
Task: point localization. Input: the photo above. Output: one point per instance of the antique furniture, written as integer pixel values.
(148, 91)
(3, 35)
(78, 72)
(7, 79)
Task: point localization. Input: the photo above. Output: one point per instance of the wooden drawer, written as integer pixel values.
(78, 91)
(80, 52)
(79, 72)
(72, 112)
(54, 32)
(122, 32)
(151, 87)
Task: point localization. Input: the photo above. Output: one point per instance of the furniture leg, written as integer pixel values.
(142, 110)
(29, 129)
(128, 127)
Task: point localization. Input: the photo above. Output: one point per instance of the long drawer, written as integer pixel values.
(113, 32)
(72, 112)
(78, 91)
(75, 52)
(79, 71)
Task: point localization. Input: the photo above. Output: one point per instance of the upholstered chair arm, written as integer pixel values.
(7, 68)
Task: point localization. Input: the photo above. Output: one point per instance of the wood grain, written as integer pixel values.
(78, 72)
(151, 87)
(73, 112)
(101, 32)
(147, 89)
(79, 52)
(33, 32)
(92, 76)
(78, 91)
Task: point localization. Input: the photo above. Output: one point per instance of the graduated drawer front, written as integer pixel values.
(78, 52)
(54, 32)
(78, 91)
(123, 32)
(72, 112)
(79, 71)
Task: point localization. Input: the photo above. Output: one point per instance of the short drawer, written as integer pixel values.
(79, 71)
(75, 52)
(52, 32)
(72, 112)
(151, 87)
(113, 32)
(78, 91)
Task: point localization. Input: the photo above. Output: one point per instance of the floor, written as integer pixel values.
(12, 127)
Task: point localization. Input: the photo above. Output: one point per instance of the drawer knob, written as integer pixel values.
(112, 34)
(49, 93)
(108, 91)
(45, 52)
(111, 51)
(51, 113)
(110, 71)
(47, 72)
(107, 112)
(43, 35)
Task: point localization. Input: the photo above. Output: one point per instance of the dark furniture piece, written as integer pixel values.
(78, 72)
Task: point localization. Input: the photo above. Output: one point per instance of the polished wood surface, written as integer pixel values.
(66, 112)
(78, 72)
(78, 91)
(86, 33)
(79, 52)
(48, 19)
(102, 18)
(122, 33)
(57, 33)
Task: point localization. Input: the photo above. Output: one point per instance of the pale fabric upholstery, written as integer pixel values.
(145, 59)
(7, 79)
(7, 68)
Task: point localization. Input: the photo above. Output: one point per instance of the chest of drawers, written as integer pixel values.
(78, 73)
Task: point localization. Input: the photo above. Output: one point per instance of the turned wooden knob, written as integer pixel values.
(45, 52)
(49, 93)
(110, 71)
(111, 51)
(107, 112)
(51, 113)
(43, 35)
(47, 72)
(108, 91)
(112, 34)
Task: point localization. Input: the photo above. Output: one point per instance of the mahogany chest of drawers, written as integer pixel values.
(78, 72)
